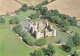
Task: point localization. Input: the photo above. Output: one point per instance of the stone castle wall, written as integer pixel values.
(37, 27)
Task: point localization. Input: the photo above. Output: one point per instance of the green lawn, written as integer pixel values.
(59, 51)
(10, 44)
(75, 29)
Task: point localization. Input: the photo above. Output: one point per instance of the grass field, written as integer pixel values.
(10, 44)
(12, 5)
(69, 7)
(75, 29)
(8, 6)
(31, 2)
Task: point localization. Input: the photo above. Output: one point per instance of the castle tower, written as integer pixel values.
(53, 32)
(30, 24)
(39, 25)
(35, 28)
(32, 30)
(46, 22)
(37, 34)
(50, 27)
(36, 23)
(46, 33)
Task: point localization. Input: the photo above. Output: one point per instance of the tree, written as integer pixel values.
(23, 34)
(76, 39)
(24, 7)
(75, 54)
(68, 46)
(14, 20)
(39, 6)
(17, 28)
(73, 21)
(45, 2)
(32, 8)
(28, 40)
(56, 19)
(35, 16)
(65, 23)
(50, 50)
(40, 42)
(17, 11)
(43, 10)
(66, 28)
(2, 20)
(59, 41)
(52, 0)
(38, 53)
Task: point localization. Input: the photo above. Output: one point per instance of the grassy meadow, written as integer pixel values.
(11, 45)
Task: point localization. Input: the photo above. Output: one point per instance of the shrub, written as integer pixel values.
(14, 20)
(40, 42)
(17, 11)
(45, 2)
(24, 7)
(35, 16)
(50, 50)
(17, 28)
(52, 0)
(28, 41)
(23, 34)
(2, 20)
(32, 8)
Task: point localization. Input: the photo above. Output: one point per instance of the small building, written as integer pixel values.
(12, 14)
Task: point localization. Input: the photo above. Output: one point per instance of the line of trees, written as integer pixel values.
(49, 51)
(62, 20)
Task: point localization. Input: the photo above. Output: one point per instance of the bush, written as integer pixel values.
(40, 42)
(32, 8)
(45, 2)
(52, 0)
(35, 16)
(2, 20)
(17, 11)
(23, 34)
(24, 7)
(50, 50)
(14, 20)
(17, 29)
(28, 41)
(43, 10)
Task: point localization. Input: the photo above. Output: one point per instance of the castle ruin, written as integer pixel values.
(38, 29)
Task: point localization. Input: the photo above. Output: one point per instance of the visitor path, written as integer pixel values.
(68, 32)
(73, 53)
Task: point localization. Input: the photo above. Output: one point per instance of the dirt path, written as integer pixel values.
(73, 53)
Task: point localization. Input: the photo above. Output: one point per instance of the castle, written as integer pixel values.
(38, 29)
